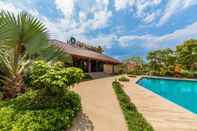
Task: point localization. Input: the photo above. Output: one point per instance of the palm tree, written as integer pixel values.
(22, 37)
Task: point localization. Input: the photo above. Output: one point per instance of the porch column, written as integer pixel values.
(89, 65)
(113, 69)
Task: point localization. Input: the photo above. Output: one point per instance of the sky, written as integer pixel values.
(123, 28)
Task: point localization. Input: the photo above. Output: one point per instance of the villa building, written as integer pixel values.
(88, 60)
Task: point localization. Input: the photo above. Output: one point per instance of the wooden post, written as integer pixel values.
(112, 68)
(89, 65)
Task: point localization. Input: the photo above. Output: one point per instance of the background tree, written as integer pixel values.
(136, 60)
(161, 61)
(187, 54)
(138, 63)
(153, 61)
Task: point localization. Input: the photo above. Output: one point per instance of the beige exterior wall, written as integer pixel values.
(108, 68)
(116, 69)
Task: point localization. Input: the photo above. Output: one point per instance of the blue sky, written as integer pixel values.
(123, 27)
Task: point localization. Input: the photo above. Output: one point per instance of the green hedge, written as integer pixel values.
(86, 77)
(134, 119)
(123, 78)
(44, 75)
(35, 112)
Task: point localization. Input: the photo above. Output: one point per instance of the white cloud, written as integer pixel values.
(105, 40)
(173, 7)
(122, 4)
(91, 15)
(100, 19)
(8, 7)
(67, 7)
(140, 8)
(156, 42)
(188, 3)
(101, 14)
(150, 18)
(97, 16)
(82, 16)
(79, 17)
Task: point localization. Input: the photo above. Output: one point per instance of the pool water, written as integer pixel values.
(181, 92)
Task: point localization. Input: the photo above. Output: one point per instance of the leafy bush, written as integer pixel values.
(123, 78)
(33, 111)
(54, 76)
(74, 75)
(166, 72)
(186, 73)
(50, 106)
(136, 71)
(195, 74)
(135, 120)
(87, 77)
(131, 75)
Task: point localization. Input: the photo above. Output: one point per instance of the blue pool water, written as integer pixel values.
(181, 92)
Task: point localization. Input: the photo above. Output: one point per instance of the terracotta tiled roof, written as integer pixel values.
(80, 52)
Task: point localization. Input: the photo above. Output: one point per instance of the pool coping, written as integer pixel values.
(183, 117)
(167, 78)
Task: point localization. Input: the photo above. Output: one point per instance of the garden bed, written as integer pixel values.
(135, 120)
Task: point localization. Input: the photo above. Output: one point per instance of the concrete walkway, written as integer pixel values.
(101, 110)
(162, 114)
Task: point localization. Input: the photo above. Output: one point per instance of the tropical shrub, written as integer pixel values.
(136, 71)
(22, 38)
(50, 106)
(130, 75)
(134, 119)
(186, 73)
(166, 72)
(34, 111)
(194, 74)
(54, 76)
(21, 35)
(87, 77)
(123, 78)
(74, 75)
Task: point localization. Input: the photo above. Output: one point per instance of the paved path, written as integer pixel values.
(101, 110)
(162, 114)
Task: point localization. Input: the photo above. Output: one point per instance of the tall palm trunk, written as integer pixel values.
(15, 84)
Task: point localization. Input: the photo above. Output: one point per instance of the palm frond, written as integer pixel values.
(24, 29)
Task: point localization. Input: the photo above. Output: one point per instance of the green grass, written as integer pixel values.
(135, 120)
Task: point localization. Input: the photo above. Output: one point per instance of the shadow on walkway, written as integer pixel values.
(82, 123)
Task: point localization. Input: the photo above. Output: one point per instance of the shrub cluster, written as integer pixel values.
(49, 106)
(132, 76)
(124, 79)
(134, 119)
(33, 111)
(136, 71)
(87, 77)
(54, 76)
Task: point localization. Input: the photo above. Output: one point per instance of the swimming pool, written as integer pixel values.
(181, 92)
